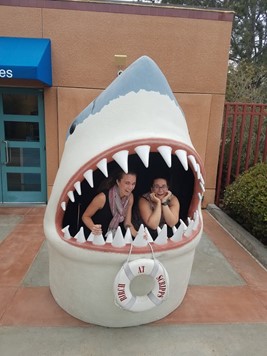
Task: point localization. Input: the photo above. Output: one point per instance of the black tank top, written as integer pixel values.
(104, 216)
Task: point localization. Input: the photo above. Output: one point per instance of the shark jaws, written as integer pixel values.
(137, 125)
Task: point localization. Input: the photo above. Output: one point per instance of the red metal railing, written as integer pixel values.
(243, 142)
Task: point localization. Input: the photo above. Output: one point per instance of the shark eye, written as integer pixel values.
(72, 128)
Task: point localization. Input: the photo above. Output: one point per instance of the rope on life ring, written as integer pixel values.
(143, 266)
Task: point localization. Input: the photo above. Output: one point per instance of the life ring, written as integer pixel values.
(144, 266)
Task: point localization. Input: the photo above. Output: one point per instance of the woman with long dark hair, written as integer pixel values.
(112, 207)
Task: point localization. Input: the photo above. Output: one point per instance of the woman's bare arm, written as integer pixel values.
(171, 212)
(96, 204)
(150, 217)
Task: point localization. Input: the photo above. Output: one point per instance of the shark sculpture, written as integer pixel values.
(135, 124)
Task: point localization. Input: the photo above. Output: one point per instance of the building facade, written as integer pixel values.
(57, 56)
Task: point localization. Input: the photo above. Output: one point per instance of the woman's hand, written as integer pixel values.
(167, 197)
(97, 229)
(154, 198)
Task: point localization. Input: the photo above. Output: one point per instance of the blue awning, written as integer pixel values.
(26, 58)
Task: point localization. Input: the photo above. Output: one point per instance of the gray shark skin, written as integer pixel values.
(137, 125)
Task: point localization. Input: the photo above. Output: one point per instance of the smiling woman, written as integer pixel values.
(159, 207)
(112, 207)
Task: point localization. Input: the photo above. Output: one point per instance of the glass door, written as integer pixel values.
(22, 138)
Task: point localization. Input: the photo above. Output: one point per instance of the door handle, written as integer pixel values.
(6, 151)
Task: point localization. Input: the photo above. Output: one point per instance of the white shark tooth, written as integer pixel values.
(118, 240)
(109, 237)
(193, 161)
(188, 220)
(202, 187)
(158, 230)
(63, 205)
(166, 153)
(189, 229)
(198, 171)
(182, 156)
(143, 152)
(99, 240)
(200, 196)
(196, 220)
(121, 158)
(80, 236)
(183, 223)
(71, 196)
(90, 237)
(148, 236)
(128, 236)
(88, 175)
(178, 234)
(67, 234)
(103, 166)
(162, 236)
(201, 179)
(140, 239)
(77, 187)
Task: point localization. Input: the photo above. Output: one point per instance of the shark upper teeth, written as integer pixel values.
(71, 196)
(193, 161)
(103, 166)
(198, 171)
(121, 158)
(88, 175)
(166, 153)
(202, 179)
(77, 186)
(182, 156)
(143, 237)
(143, 153)
(202, 187)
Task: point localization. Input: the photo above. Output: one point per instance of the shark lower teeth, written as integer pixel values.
(143, 152)
(142, 238)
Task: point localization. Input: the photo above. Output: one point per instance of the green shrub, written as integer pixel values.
(245, 200)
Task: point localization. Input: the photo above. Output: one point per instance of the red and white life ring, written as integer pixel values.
(143, 266)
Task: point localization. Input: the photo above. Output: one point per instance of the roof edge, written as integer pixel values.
(134, 8)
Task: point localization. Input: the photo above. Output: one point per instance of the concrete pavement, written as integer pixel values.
(223, 313)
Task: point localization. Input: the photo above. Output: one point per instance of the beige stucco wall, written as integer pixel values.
(191, 52)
